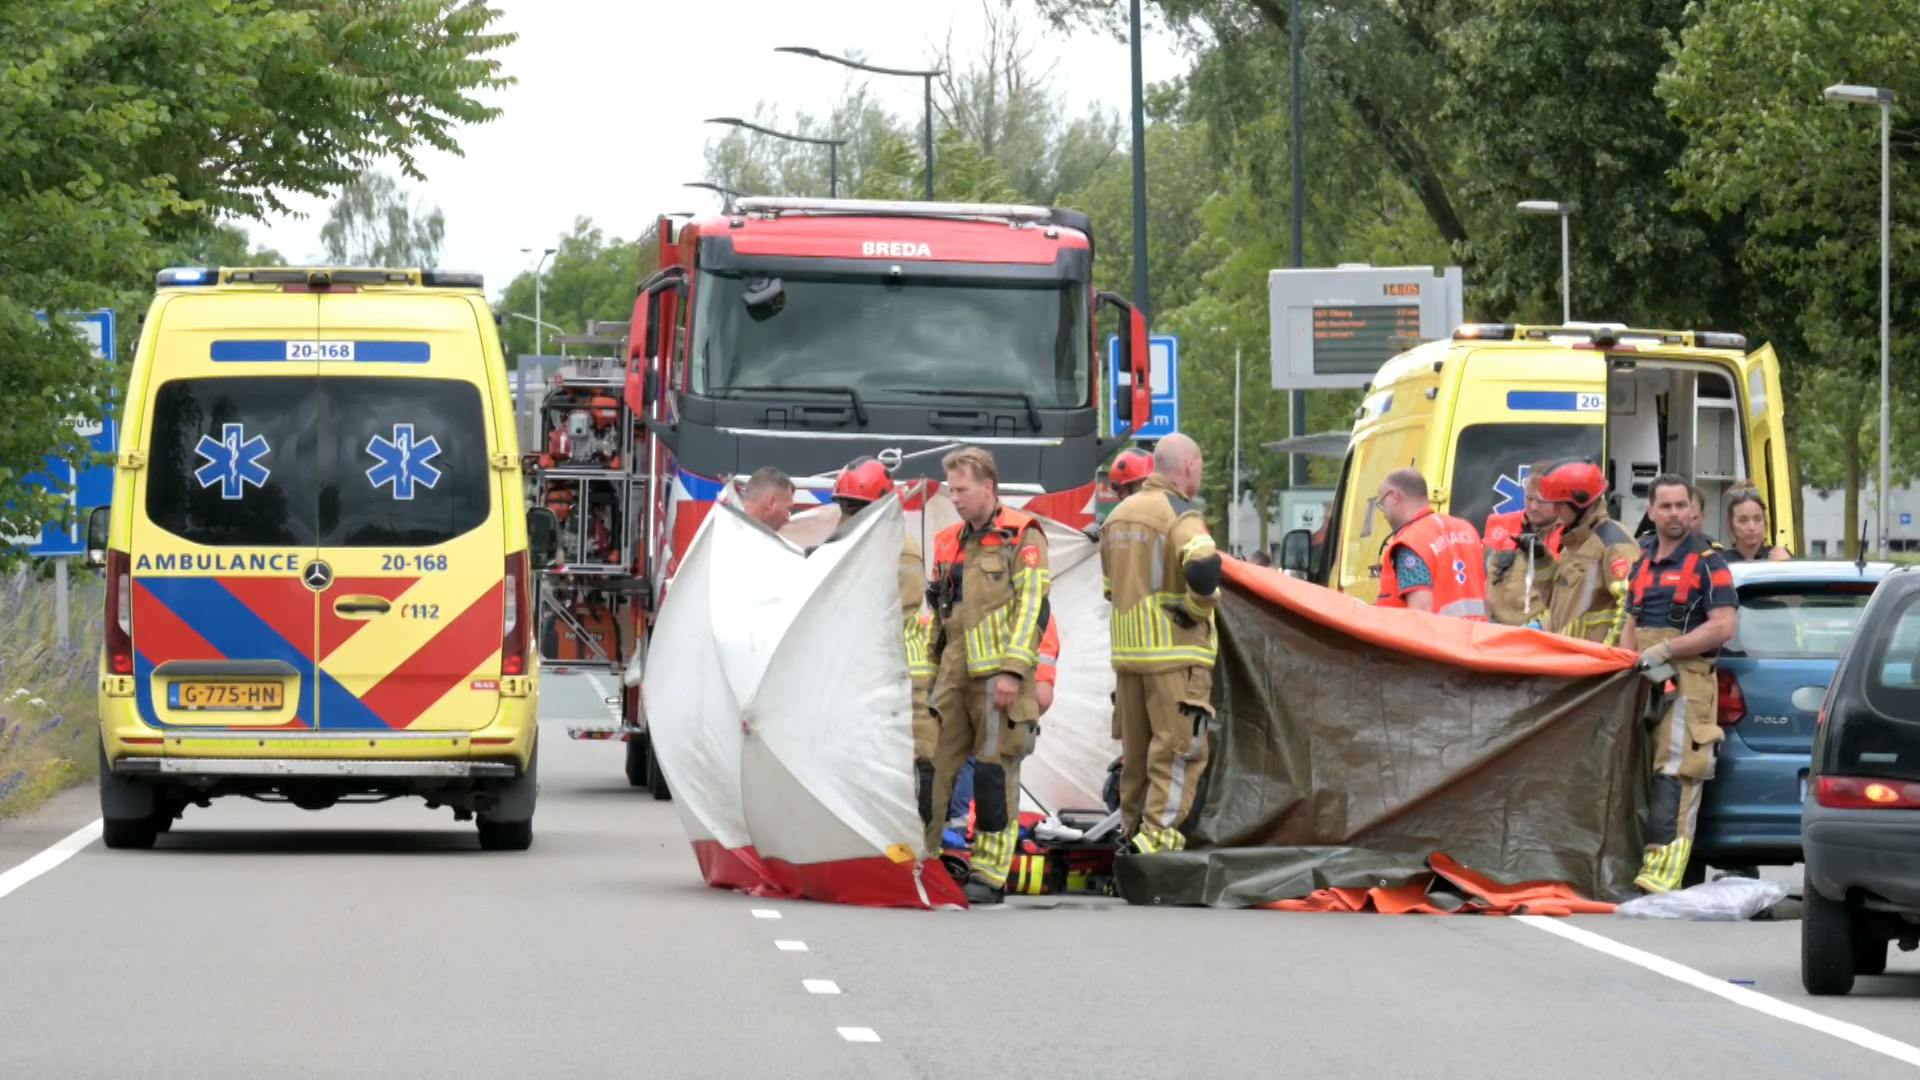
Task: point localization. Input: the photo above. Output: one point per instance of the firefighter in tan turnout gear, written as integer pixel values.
(1683, 608)
(1590, 583)
(989, 599)
(1162, 575)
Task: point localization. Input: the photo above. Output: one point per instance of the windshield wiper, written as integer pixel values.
(1033, 410)
(859, 406)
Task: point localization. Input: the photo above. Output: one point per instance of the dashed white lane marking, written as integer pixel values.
(859, 1034)
(1739, 995)
(790, 946)
(820, 986)
(62, 850)
(765, 913)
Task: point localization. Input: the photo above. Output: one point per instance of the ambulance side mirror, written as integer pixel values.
(543, 536)
(1296, 551)
(97, 524)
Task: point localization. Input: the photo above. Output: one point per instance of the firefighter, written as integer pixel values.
(1683, 608)
(1129, 471)
(1596, 555)
(861, 483)
(1162, 575)
(989, 599)
(1521, 548)
(1432, 562)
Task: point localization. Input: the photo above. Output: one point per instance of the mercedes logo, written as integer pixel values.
(318, 575)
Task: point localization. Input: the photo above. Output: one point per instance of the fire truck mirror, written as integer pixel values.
(543, 536)
(765, 297)
(651, 347)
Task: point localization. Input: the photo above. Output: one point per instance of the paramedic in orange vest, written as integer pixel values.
(1521, 548)
(862, 483)
(1432, 562)
(1681, 608)
(989, 598)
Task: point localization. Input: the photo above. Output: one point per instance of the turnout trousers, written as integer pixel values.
(1685, 739)
(1162, 720)
(998, 742)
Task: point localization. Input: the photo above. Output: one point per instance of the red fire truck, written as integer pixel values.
(803, 333)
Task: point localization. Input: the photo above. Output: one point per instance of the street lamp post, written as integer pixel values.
(1883, 97)
(1562, 210)
(927, 76)
(538, 283)
(833, 147)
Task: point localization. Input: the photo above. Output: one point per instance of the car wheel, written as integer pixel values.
(1869, 952)
(657, 780)
(639, 753)
(128, 833)
(1827, 945)
(506, 835)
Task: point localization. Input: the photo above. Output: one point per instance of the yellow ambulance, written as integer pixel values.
(1475, 411)
(318, 574)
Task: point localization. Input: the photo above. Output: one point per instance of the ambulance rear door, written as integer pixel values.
(1769, 464)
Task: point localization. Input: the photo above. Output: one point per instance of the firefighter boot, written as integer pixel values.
(1664, 866)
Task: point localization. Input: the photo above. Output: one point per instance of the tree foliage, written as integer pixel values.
(374, 222)
(128, 129)
(591, 276)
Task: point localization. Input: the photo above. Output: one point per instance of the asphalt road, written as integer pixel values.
(263, 940)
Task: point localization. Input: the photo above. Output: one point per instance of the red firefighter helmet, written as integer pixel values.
(864, 480)
(1131, 467)
(1575, 481)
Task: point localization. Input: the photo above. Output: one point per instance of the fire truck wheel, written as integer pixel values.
(657, 780)
(639, 755)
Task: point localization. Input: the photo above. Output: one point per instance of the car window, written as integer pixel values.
(1884, 739)
(232, 462)
(407, 462)
(1799, 622)
(1490, 463)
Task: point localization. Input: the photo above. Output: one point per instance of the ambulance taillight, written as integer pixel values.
(516, 622)
(119, 613)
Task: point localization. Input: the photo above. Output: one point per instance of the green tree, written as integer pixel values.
(374, 222)
(591, 276)
(125, 129)
(1796, 179)
(221, 243)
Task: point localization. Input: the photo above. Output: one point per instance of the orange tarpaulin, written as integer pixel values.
(1481, 895)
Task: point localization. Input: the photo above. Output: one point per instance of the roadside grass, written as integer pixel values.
(48, 716)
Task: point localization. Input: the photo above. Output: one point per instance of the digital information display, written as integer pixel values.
(1333, 327)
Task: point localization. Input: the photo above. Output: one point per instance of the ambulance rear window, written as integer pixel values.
(1490, 463)
(231, 461)
(408, 462)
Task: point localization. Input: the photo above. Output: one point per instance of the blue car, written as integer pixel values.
(1795, 620)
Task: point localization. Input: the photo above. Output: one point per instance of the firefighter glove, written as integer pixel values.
(1203, 575)
(1656, 656)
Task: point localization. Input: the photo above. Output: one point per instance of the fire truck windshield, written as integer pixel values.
(893, 341)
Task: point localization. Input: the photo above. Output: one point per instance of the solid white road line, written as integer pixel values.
(820, 986)
(1739, 995)
(765, 913)
(858, 1034)
(60, 852)
(790, 946)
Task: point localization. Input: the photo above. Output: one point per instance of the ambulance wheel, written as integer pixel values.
(128, 833)
(505, 835)
(657, 780)
(639, 758)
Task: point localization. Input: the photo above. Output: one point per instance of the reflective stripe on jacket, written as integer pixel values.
(1002, 580)
(1159, 623)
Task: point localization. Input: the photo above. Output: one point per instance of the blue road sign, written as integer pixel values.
(1163, 352)
(92, 486)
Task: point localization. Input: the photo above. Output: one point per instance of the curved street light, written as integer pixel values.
(833, 146)
(928, 74)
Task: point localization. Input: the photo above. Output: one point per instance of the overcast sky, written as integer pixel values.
(605, 120)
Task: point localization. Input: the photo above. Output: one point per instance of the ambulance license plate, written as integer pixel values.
(227, 696)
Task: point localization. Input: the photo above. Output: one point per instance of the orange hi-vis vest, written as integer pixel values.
(1456, 561)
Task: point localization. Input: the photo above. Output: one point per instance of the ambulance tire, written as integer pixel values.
(129, 811)
(509, 826)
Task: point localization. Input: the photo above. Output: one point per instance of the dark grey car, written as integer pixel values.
(1861, 823)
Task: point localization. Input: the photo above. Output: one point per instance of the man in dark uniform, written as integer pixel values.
(1681, 608)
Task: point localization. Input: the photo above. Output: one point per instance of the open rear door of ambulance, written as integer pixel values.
(1769, 463)
(411, 628)
(225, 504)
